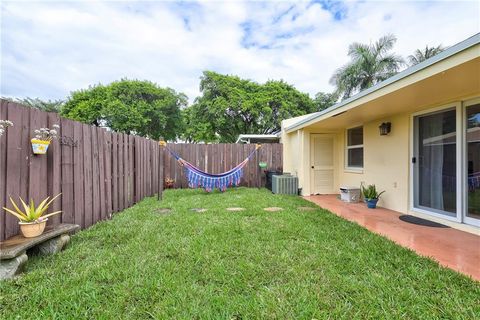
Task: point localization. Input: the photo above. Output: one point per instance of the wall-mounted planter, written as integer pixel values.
(40, 146)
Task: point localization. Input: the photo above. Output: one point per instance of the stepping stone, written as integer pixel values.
(273, 209)
(306, 208)
(199, 210)
(164, 210)
(235, 209)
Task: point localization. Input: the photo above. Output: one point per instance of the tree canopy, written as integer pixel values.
(370, 64)
(229, 106)
(130, 106)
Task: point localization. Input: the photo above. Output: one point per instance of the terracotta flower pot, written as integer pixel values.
(32, 229)
(40, 146)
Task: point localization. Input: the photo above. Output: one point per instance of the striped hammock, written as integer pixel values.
(200, 179)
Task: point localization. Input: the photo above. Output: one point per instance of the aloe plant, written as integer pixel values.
(30, 213)
(370, 192)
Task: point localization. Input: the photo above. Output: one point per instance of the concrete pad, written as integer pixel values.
(273, 209)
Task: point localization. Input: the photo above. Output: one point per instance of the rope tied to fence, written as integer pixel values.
(200, 179)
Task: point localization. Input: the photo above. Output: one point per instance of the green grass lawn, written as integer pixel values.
(250, 264)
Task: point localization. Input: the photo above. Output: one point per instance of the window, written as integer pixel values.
(354, 150)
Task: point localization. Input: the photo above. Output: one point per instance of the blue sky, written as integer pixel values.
(50, 48)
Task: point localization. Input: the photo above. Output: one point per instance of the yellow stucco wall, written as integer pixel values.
(386, 161)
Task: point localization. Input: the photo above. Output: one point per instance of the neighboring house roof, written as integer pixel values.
(258, 137)
(459, 47)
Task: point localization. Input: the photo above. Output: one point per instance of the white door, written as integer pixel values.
(322, 163)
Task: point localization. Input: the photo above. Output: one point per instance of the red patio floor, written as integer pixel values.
(452, 248)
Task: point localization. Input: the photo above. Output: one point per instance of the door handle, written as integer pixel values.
(313, 167)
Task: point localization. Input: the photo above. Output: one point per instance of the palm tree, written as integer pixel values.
(422, 55)
(370, 64)
(37, 103)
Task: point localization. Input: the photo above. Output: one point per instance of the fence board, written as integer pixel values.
(3, 165)
(101, 172)
(14, 164)
(108, 174)
(114, 173)
(38, 163)
(87, 171)
(67, 168)
(78, 174)
(54, 169)
(131, 162)
(121, 172)
(126, 171)
(95, 176)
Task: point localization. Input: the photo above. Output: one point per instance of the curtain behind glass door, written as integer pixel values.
(436, 169)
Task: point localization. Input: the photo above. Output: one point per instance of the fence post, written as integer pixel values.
(160, 168)
(258, 166)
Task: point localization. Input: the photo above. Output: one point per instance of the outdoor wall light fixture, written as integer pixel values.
(385, 128)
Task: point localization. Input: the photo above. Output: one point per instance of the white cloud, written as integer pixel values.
(51, 48)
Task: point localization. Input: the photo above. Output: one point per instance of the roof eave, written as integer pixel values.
(457, 48)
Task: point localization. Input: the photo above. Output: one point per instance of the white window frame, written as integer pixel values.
(357, 146)
(464, 182)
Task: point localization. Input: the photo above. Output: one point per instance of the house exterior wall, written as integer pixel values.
(386, 161)
(291, 146)
(449, 80)
(386, 158)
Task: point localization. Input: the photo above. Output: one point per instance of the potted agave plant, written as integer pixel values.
(371, 195)
(42, 139)
(32, 220)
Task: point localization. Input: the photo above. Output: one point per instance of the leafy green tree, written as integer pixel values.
(37, 103)
(229, 106)
(324, 100)
(370, 64)
(422, 55)
(130, 106)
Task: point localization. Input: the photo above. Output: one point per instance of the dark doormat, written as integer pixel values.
(421, 222)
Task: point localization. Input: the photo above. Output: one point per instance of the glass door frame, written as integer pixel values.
(457, 106)
(464, 175)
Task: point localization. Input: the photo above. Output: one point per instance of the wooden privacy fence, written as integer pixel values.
(100, 172)
(218, 158)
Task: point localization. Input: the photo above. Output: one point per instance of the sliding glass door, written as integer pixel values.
(435, 162)
(472, 166)
(446, 162)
